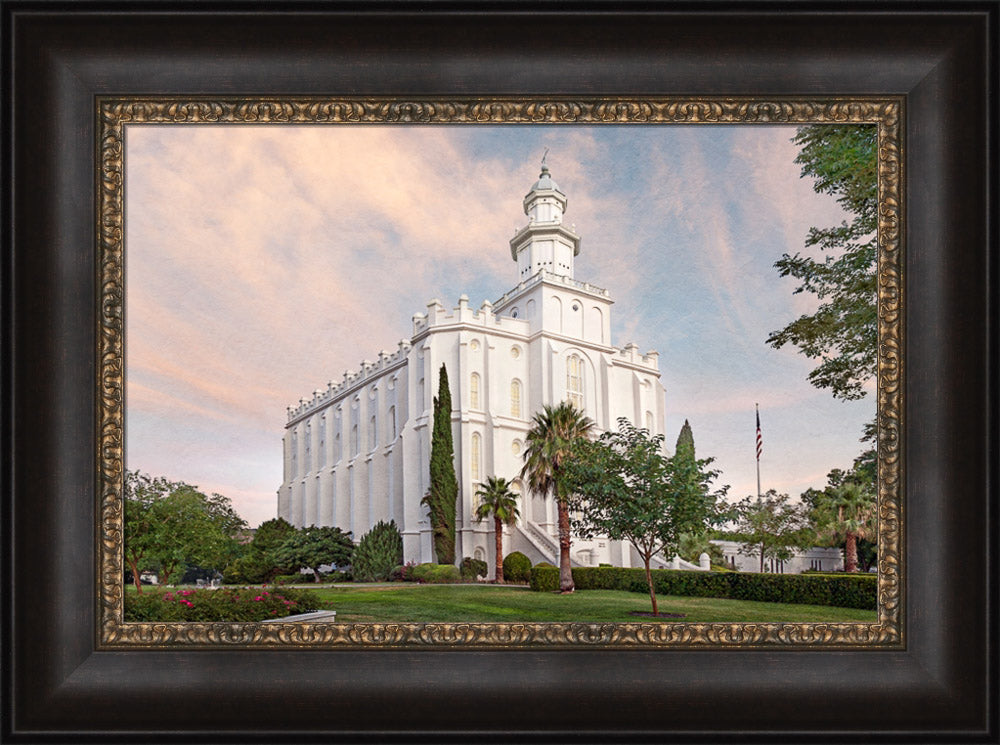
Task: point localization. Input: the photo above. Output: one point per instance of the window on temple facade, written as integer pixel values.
(322, 440)
(475, 455)
(354, 439)
(307, 460)
(392, 423)
(515, 398)
(649, 422)
(295, 454)
(574, 381)
(474, 391)
(372, 434)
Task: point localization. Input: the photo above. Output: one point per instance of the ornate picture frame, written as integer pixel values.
(115, 115)
(71, 670)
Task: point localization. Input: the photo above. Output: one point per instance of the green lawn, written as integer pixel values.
(414, 603)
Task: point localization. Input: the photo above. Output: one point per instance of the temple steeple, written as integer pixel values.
(544, 243)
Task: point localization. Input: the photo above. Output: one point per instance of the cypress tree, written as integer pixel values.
(685, 441)
(443, 493)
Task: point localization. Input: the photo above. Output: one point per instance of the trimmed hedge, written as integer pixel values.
(472, 569)
(436, 573)
(516, 567)
(844, 591)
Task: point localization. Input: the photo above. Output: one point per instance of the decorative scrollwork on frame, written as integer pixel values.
(114, 114)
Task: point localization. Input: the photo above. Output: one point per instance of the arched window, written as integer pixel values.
(307, 459)
(475, 455)
(295, 453)
(322, 440)
(392, 423)
(515, 398)
(372, 434)
(649, 422)
(474, 391)
(354, 439)
(574, 381)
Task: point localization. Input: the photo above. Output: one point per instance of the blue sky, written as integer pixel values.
(263, 261)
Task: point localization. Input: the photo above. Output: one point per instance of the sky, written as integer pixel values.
(262, 262)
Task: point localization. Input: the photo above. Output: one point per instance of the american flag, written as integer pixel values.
(760, 440)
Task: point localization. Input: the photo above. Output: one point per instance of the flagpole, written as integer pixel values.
(757, 410)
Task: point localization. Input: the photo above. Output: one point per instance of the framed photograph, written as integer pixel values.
(154, 316)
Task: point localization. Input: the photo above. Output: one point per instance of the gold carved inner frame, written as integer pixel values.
(114, 114)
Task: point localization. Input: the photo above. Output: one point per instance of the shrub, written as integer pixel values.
(225, 604)
(291, 579)
(436, 573)
(845, 590)
(473, 568)
(378, 553)
(403, 572)
(544, 577)
(341, 575)
(254, 567)
(516, 567)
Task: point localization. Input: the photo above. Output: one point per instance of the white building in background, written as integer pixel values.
(815, 559)
(358, 451)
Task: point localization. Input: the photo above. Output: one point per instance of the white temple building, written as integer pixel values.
(358, 451)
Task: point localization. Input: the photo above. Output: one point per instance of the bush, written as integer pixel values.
(378, 553)
(544, 577)
(516, 567)
(845, 590)
(225, 604)
(341, 575)
(291, 579)
(403, 572)
(473, 568)
(436, 574)
(255, 567)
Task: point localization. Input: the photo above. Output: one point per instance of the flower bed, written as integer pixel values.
(225, 604)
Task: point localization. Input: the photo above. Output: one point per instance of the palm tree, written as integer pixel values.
(496, 499)
(549, 442)
(852, 517)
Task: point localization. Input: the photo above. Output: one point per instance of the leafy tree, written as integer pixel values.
(842, 333)
(258, 564)
(846, 511)
(378, 553)
(443, 494)
(310, 547)
(625, 488)
(497, 500)
(271, 534)
(770, 527)
(554, 432)
(690, 547)
(171, 524)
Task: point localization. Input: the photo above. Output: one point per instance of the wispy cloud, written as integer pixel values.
(263, 261)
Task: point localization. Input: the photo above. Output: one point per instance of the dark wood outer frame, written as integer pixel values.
(57, 687)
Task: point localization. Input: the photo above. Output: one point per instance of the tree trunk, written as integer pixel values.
(762, 558)
(134, 566)
(316, 575)
(649, 581)
(851, 552)
(498, 528)
(565, 571)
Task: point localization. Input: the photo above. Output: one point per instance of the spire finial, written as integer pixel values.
(545, 168)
